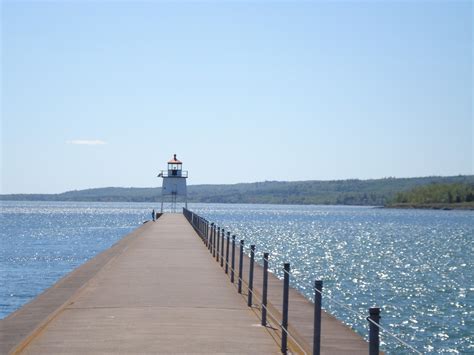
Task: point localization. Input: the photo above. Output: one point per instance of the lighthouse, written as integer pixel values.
(174, 189)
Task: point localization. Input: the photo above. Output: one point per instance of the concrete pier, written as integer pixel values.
(159, 290)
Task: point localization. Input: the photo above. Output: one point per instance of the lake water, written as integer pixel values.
(415, 264)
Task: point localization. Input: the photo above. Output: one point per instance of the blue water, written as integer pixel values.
(415, 264)
(43, 241)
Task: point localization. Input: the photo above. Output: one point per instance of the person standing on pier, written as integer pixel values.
(153, 215)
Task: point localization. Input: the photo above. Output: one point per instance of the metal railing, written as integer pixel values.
(213, 237)
(179, 173)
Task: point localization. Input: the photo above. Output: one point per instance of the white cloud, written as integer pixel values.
(86, 142)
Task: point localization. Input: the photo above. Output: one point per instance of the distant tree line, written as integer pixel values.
(437, 193)
(374, 192)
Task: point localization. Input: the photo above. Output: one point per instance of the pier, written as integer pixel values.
(165, 288)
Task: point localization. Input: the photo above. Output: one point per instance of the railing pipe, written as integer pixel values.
(209, 247)
(318, 289)
(232, 263)
(227, 254)
(216, 240)
(265, 289)
(241, 266)
(211, 232)
(284, 318)
(222, 248)
(250, 290)
(210, 236)
(374, 341)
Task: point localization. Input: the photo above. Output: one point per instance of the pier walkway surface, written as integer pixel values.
(156, 291)
(159, 290)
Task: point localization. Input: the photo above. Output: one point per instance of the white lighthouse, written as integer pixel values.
(174, 184)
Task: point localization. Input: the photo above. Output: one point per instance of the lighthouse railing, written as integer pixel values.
(166, 173)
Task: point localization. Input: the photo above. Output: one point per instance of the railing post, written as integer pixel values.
(222, 248)
(318, 289)
(250, 290)
(374, 341)
(265, 289)
(227, 254)
(216, 241)
(284, 318)
(213, 238)
(241, 267)
(232, 263)
(210, 237)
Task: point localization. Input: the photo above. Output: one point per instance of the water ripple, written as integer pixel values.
(415, 264)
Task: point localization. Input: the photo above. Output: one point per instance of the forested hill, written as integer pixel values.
(433, 195)
(345, 192)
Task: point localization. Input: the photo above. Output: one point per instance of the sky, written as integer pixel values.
(103, 93)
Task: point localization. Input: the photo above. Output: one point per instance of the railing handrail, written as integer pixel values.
(165, 173)
(202, 227)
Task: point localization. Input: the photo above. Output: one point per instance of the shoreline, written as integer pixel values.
(463, 206)
(427, 206)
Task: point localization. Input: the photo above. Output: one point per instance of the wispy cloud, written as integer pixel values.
(86, 142)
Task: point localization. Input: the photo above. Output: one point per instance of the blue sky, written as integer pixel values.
(241, 91)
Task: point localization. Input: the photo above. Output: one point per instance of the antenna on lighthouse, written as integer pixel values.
(174, 184)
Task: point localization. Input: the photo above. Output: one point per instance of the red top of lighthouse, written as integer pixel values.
(174, 160)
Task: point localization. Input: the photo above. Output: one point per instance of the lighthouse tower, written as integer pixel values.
(174, 184)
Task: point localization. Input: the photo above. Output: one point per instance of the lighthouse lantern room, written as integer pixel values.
(174, 184)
